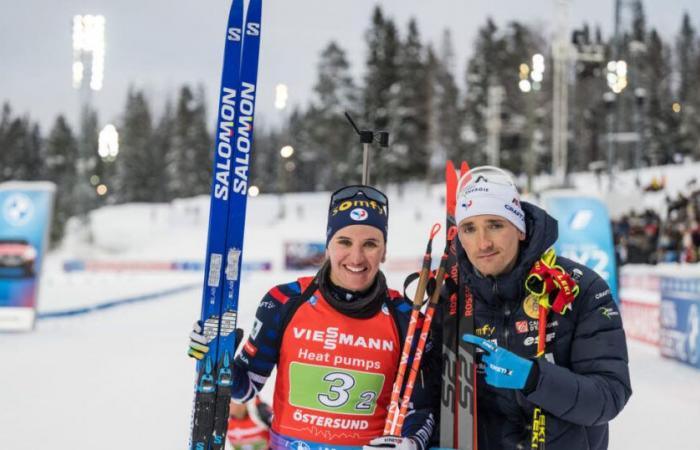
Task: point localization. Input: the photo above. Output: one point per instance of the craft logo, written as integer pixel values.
(358, 214)
(17, 210)
(516, 212)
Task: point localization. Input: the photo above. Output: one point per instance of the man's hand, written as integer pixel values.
(391, 442)
(504, 369)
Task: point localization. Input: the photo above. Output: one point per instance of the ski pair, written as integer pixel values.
(397, 411)
(232, 159)
(458, 391)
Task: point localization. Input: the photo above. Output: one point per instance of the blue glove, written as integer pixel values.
(504, 369)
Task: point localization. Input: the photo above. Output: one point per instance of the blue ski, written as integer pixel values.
(226, 228)
(238, 196)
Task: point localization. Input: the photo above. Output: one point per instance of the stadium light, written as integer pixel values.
(281, 95)
(88, 46)
(617, 76)
(253, 191)
(286, 151)
(108, 143)
(534, 72)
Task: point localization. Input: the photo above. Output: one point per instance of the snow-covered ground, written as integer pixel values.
(119, 378)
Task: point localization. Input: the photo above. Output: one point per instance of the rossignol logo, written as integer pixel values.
(358, 214)
(366, 204)
(331, 338)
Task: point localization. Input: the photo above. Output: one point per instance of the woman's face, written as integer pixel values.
(355, 253)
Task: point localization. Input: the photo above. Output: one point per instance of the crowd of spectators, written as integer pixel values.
(648, 238)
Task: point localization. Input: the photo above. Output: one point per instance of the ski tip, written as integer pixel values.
(463, 168)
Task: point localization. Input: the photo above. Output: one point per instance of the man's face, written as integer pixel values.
(491, 243)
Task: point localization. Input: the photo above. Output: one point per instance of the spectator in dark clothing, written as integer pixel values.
(582, 380)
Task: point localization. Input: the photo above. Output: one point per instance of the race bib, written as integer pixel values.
(334, 390)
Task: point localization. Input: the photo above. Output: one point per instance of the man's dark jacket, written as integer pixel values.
(583, 381)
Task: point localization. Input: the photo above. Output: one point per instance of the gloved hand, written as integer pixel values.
(199, 347)
(392, 442)
(504, 369)
(264, 411)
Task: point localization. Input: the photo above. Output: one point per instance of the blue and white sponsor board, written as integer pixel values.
(585, 233)
(679, 334)
(25, 217)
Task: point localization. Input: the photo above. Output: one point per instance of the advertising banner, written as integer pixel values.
(304, 255)
(83, 265)
(679, 336)
(585, 234)
(25, 216)
(640, 297)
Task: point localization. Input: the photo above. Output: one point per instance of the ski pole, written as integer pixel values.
(393, 409)
(427, 321)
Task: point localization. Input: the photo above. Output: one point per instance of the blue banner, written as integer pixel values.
(25, 215)
(679, 335)
(585, 233)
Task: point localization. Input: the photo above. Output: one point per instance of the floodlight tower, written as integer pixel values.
(88, 75)
(88, 54)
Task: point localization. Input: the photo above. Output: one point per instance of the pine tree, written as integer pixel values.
(482, 74)
(447, 117)
(588, 113)
(660, 146)
(333, 145)
(190, 159)
(83, 190)
(688, 62)
(21, 147)
(60, 168)
(135, 162)
(413, 113)
(160, 151)
(380, 90)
